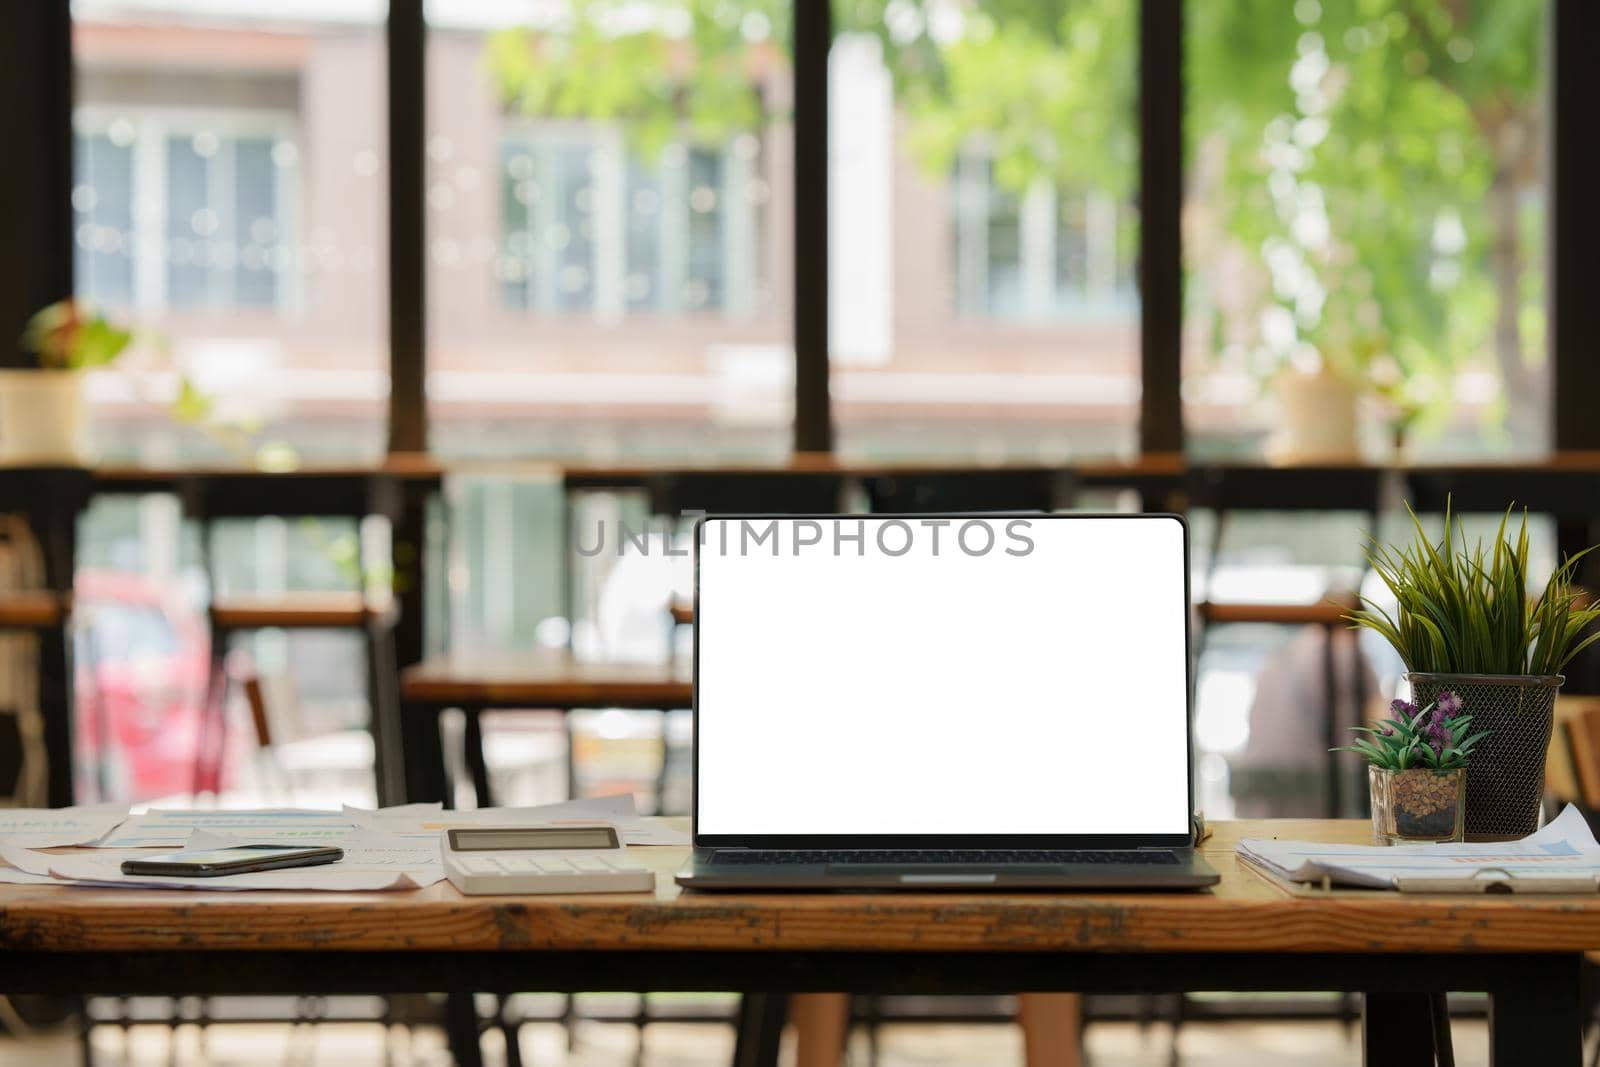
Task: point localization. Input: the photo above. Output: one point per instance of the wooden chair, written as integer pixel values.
(1051, 1023)
(1578, 725)
(234, 615)
(1581, 727)
(1227, 491)
(211, 496)
(285, 750)
(28, 613)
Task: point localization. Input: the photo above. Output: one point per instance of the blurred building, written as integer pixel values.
(586, 298)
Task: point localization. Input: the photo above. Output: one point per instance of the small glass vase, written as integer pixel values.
(1417, 805)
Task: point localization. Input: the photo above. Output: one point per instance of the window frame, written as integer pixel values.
(1045, 296)
(154, 126)
(739, 219)
(36, 259)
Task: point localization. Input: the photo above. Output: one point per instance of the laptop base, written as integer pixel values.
(703, 872)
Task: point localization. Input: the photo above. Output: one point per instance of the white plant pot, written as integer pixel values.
(1317, 419)
(41, 416)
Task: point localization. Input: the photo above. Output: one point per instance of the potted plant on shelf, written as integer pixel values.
(1465, 623)
(41, 409)
(1417, 770)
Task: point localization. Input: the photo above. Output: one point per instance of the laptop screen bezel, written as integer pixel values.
(991, 840)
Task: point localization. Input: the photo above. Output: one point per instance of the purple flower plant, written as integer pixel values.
(1448, 705)
(1433, 737)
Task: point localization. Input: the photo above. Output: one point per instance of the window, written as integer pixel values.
(229, 202)
(179, 210)
(589, 225)
(608, 259)
(983, 228)
(1367, 202)
(1046, 253)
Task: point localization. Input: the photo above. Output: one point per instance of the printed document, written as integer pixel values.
(52, 827)
(1565, 850)
(390, 848)
(284, 826)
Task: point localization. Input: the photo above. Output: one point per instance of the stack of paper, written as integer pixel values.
(391, 848)
(31, 828)
(53, 827)
(1563, 856)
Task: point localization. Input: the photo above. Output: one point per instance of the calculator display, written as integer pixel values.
(516, 840)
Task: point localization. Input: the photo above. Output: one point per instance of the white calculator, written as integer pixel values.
(579, 859)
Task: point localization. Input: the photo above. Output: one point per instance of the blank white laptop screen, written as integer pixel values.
(942, 676)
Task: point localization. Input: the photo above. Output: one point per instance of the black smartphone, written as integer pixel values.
(214, 862)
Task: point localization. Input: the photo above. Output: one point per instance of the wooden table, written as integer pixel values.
(397, 487)
(1247, 934)
(552, 679)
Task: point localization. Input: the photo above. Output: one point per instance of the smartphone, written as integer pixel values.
(214, 862)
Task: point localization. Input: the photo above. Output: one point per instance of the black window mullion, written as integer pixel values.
(36, 182)
(813, 417)
(1573, 222)
(1573, 232)
(1160, 237)
(408, 407)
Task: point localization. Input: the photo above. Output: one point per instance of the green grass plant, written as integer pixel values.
(1468, 610)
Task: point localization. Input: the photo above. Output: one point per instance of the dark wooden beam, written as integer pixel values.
(408, 400)
(36, 179)
(1160, 239)
(813, 416)
(1573, 222)
(1573, 232)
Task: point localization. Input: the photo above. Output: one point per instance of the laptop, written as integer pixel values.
(942, 702)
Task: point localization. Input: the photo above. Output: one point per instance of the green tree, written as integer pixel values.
(1379, 156)
(1417, 125)
(663, 70)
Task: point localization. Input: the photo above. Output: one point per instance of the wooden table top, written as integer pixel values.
(33, 609)
(1108, 469)
(548, 679)
(1246, 913)
(400, 465)
(606, 475)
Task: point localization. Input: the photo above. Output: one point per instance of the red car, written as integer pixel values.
(141, 656)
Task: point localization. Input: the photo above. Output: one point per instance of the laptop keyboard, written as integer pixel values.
(989, 857)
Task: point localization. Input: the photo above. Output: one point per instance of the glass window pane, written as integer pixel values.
(229, 198)
(256, 223)
(1366, 203)
(102, 206)
(607, 255)
(191, 225)
(983, 195)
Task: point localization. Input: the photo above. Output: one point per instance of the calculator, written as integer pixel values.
(578, 859)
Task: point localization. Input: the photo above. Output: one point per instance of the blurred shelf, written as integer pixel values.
(295, 611)
(546, 679)
(33, 610)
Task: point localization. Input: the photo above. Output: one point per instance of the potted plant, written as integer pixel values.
(41, 409)
(1466, 623)
(1317, 417)
(1417, 770)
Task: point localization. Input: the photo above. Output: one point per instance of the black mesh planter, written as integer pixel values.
(1505, 774)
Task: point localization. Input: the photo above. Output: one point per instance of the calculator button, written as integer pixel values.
(518, 864)
(591, 865)
(552, 865)
(480, 865)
